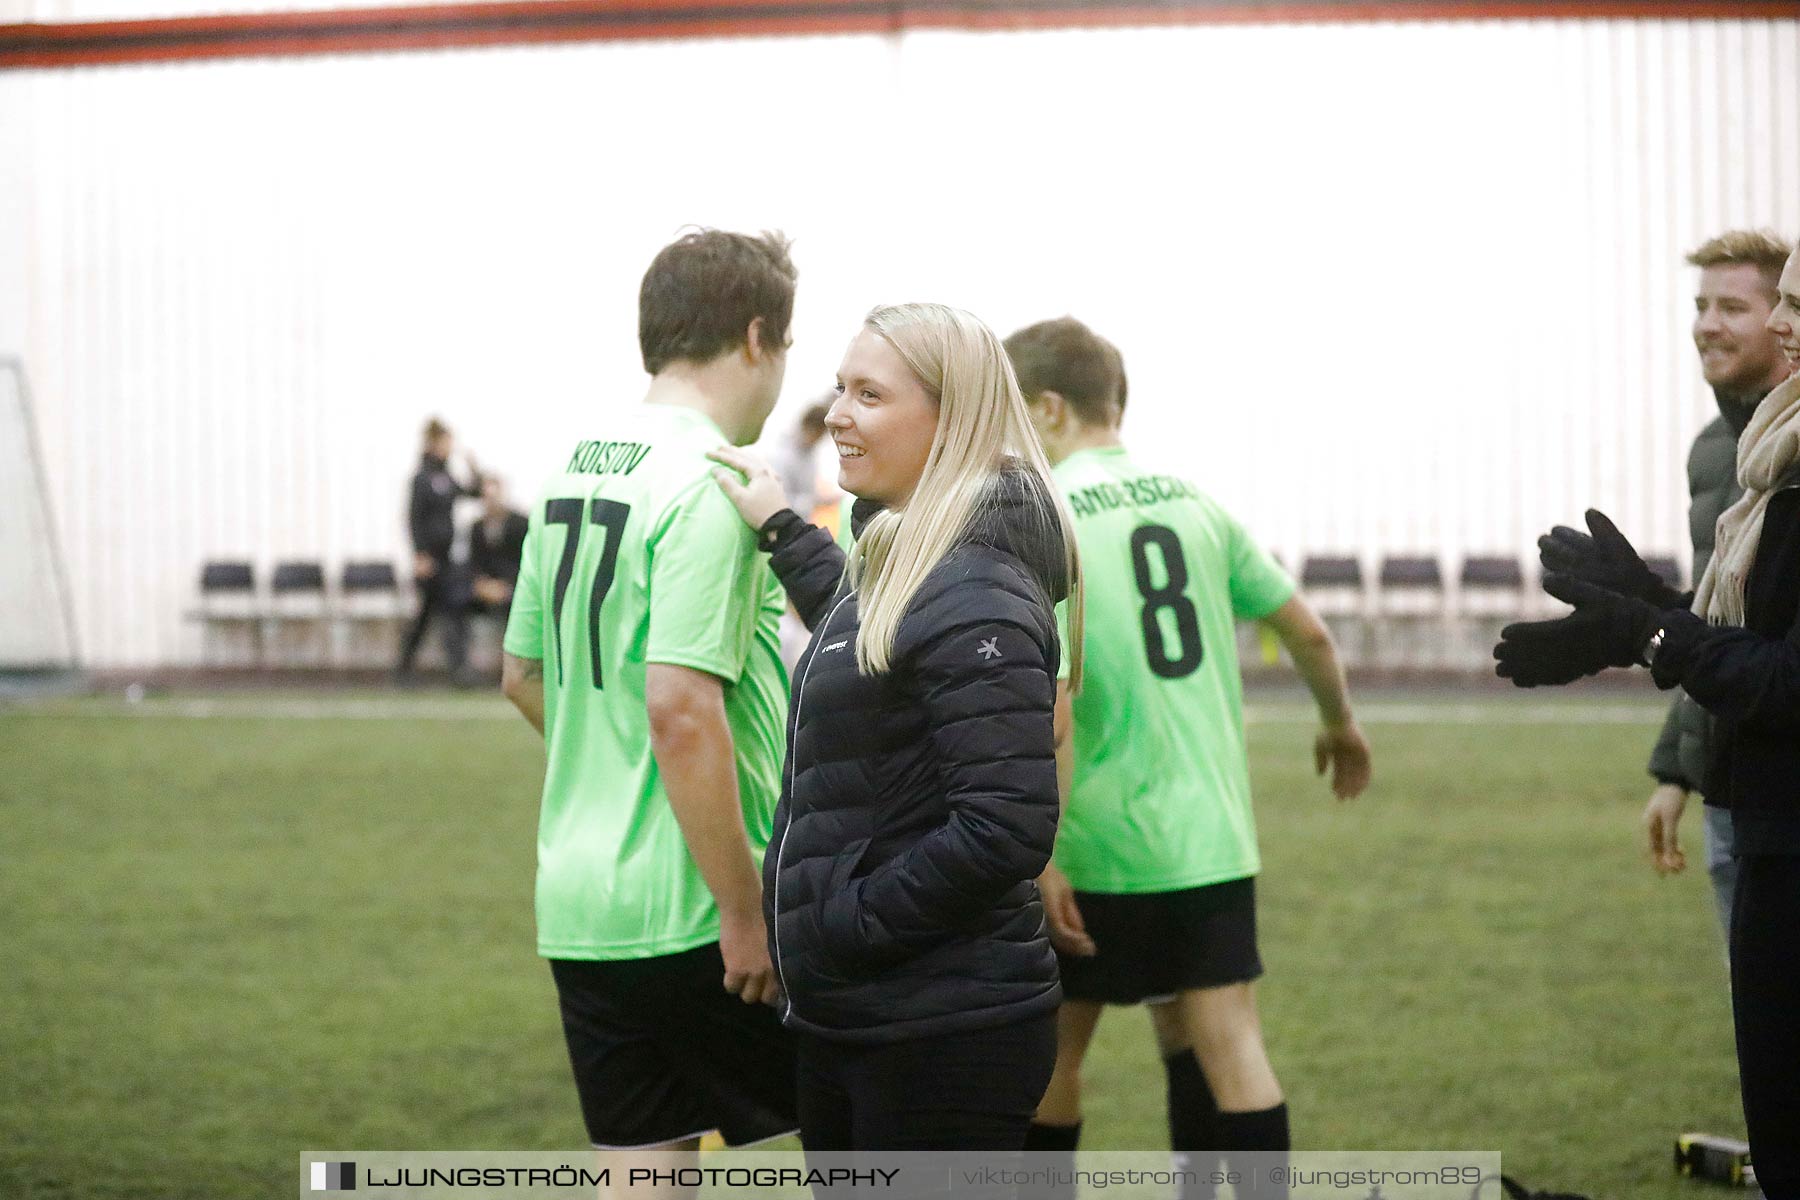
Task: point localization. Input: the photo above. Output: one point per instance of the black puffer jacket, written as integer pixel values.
(919, 806)
(1749, 679)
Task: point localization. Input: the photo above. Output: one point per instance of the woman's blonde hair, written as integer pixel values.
(982, 423)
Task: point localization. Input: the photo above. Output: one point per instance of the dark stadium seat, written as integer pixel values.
(218, 578)
(1487, 572)
(228, 612)
(1411, 571)
(293, 577)
(1491, 593)
(298, 632)
(1411, 630)
(369, 576)
(366, 623)
(1331, 570)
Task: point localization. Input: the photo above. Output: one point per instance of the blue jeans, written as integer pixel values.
(1721, 867)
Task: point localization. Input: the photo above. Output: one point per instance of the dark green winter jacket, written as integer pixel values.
(1682, 752)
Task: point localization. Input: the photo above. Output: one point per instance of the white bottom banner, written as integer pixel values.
(1151, 1175)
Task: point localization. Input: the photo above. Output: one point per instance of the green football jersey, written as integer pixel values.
(846, 532)
(1162, 789)
(634, 557)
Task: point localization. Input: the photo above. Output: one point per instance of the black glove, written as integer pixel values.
(1605, 630)
(1605, 559)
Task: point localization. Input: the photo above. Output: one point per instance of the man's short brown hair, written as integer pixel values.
(703, 290)
(1750, 247)
(1066, 357)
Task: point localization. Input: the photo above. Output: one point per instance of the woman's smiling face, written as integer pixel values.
(883, 422)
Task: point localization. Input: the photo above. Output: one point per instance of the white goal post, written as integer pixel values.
(37, 631)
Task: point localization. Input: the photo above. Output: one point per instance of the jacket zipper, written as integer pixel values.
(799, 703)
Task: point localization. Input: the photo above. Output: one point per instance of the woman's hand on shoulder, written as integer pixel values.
(749, 483)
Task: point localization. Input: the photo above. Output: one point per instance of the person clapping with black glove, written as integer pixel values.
(1736, 653)
(1605, 630)
(1623, 609)
(1605, 558)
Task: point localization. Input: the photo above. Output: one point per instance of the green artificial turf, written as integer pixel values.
(229, 939)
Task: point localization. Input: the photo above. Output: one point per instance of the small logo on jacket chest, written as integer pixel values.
(989, 649)
(837, 645)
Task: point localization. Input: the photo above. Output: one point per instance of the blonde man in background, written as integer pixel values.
(1742, 362)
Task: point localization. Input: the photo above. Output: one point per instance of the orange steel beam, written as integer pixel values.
(524, 22)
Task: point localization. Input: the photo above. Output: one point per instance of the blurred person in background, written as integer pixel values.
(1151, 897)
(496, 547)
(431, 520)
(1735, 650)
(796, 462)
(642, 646)
(921, 802)
(1742, 363)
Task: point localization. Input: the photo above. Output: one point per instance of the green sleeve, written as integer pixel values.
(1062, 639)
(1258, 584)
(703, 594)
(525, 624)
(845, 536)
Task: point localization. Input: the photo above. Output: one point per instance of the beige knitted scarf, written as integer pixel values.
(1769, 445)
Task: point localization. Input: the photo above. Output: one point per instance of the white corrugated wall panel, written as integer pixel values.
(1380, 287)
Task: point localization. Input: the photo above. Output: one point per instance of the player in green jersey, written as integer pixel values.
(1151, 894)
(643, 645)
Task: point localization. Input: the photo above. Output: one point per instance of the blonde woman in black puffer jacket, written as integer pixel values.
(920, 798)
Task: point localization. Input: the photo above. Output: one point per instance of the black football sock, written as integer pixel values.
(1053, 1137)
(1257, 1137)
(1193, 1125)
(1052, 1147)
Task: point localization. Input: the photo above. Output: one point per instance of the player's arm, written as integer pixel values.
(522, 646)
(522, 682)
(1661, 821)
(1340, 744)
(1062, 728)
(1063, 916)
(692, 743)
